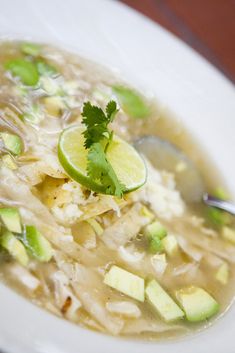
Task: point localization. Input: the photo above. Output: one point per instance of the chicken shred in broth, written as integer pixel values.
(139, 264)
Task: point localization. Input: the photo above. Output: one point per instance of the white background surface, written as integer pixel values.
(150, 58)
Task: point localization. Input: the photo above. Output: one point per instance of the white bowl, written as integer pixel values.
(149, 57)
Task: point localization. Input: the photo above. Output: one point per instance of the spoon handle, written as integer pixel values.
(227, 206)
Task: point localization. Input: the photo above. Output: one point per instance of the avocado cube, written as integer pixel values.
(15, 248)
(197, 304)
(228, 234)
(155, 230)
(125, 282)
(155, 246)
(54, 105)
(37, 245)
(162, 302)
(218, 217)
(13, 143)
(170, 245)
(11, 219)
(222, 274)
(221, 194)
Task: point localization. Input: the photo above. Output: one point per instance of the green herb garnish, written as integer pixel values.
(97, 121)
(97, 138)
(99, 168)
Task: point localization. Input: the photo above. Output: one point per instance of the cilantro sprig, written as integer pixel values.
(97, 121)
(97, 139)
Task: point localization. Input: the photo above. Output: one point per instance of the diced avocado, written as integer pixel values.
(197, 304)
(218, 217)
(13, 143)
(15, 248)
(11, 219)
(159, 263)
(155, 233)
(222, 274)
(26, 70)
(170, 245)
(37, 245)
(155, 245)
(125, 282)
(131, 102)
(96, 226)
(155, 229)
(54, 105)
(228, 234)
(162, 302)
(9, 162)
(221, 194)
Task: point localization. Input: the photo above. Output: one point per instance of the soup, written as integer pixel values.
(90, 230)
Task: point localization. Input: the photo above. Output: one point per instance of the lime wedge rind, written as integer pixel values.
(125, 160)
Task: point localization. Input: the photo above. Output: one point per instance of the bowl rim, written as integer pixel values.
(154, 60)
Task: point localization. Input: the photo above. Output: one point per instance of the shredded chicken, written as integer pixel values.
(125, 228)
(87, 286)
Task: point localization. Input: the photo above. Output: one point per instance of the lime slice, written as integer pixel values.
(125, 160)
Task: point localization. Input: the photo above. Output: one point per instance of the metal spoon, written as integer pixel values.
(227, 206)
(164, 155)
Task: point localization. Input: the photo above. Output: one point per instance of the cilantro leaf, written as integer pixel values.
(99, 168)
(92, 115)
(111, 110)
(97, 121)
(94, 134)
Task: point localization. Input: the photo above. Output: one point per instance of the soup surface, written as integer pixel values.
(92, 233)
